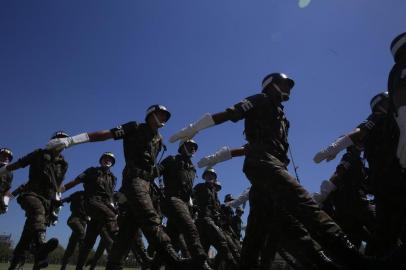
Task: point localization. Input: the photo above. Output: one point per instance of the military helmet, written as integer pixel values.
(398, 47)
(155, 108)
(59, 134)
(274, 78)
(378, 99)
(217, 185)
(228, 198)
(110, 155)
(190, 141)
(239, 209)
(209, 171)
(7, 152)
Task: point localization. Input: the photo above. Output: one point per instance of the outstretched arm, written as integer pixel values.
(223, 154)
(234, 113)
(60, 143)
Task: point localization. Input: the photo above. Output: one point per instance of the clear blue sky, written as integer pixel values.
(90, 65)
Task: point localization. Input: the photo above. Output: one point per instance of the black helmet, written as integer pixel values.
(190, 141)
(155, 108)
(59, 134)
(239, 209)
(275, 77)
(209, 171)
(110, 155)
(378, 100)
(398, 47)
(7, 152)
(217, 185)
(228, 198)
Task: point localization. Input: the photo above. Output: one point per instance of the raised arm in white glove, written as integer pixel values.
(190, 131)
(401, 151)
(333, 149)
(221, 155)
(60, 143)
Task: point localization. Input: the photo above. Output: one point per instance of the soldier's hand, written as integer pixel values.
(58, 143)
(221, 155)
(184, 134)
(190, 131)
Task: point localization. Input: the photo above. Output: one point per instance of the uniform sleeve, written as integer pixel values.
(345, 162)
(165, 164)
(28, 159)
(124, 130)
(84, 175)
(369, 124)
(241, 109)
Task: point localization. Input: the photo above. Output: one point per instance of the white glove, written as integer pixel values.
(61, 143)
(190, 131)
(3, 170)
(401, 151)
(221, 155)
(333, 149)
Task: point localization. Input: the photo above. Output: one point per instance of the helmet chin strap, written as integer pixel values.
(284, 96)
(159, 123)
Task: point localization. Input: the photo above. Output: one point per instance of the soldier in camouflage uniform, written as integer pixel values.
(347, 203)
(178, 175)
(77, 222)
(6, 156)
(99, 184)
(39, 200)
(266, 130)
(208, 204)
(236, 222)
(142, 144)
(379, 135)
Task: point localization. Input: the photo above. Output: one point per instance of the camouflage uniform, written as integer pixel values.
(77, 222)
(205, 198)
(99, 184)
(352, 210)
(387, 178)
(178, 176)
(38, 200)
(265, 165)
(141, 147)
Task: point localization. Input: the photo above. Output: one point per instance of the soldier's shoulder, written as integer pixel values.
(199, 186)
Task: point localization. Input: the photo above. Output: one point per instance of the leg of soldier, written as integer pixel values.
(92, 231)
(35, 224)
(104, 215)
(179, 214)
(78, 227)
(256, 230)
(269, 175)
(122, 243)
(138, 248)
(141, 205)
(218, 240)
(20, 250)
(97, 255)
(390, 222)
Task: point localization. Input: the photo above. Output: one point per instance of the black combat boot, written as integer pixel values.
(323, 262)
(41, 249)
(173, 260)
(349, 256)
